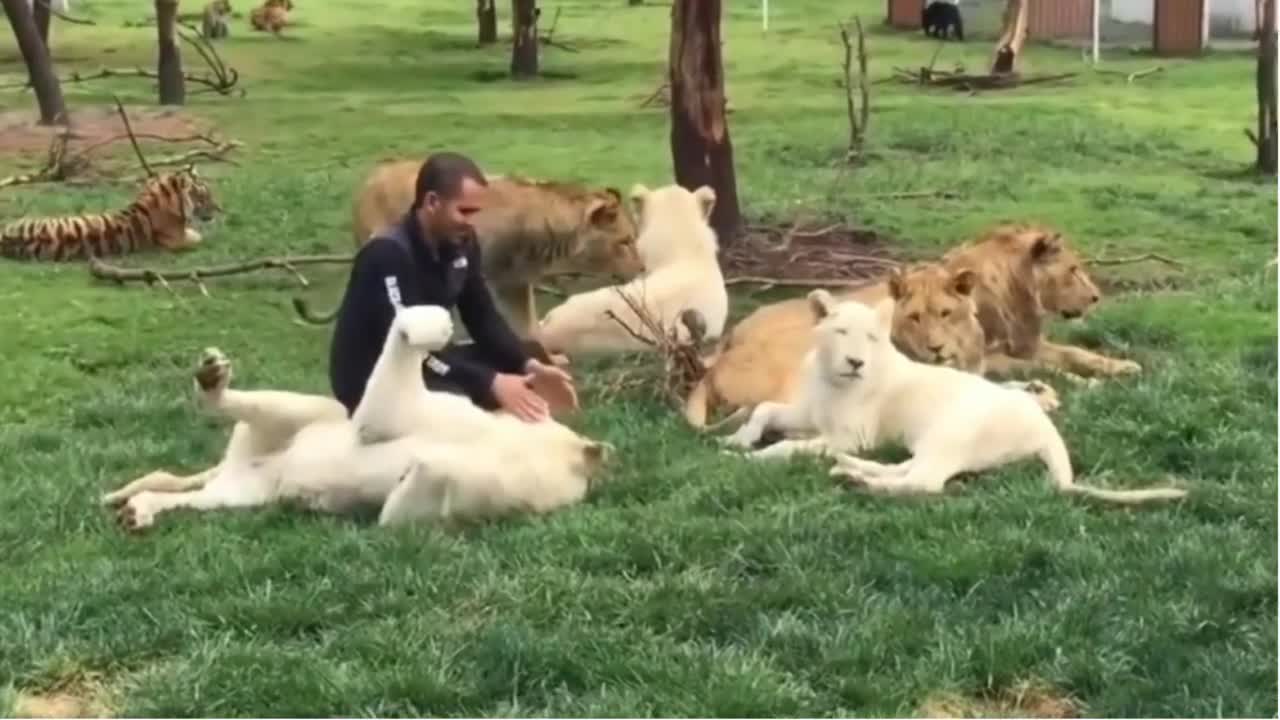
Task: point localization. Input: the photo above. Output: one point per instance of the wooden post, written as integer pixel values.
(1266, 139)
(701, 149)
(169, 65)
(524, 46)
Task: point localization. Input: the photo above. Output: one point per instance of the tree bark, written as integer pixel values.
(1267, 89)
(701, 149)
(487, 20)
(169, 66)
(1009, 46)
(40, 9)
(524, 48)
(35, 54)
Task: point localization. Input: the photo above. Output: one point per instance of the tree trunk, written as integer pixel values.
(701, 149)
(169, 68)
(44, 81)
(524, 48)
(487, 20)
(40, 9)
(1009, 47)
(635, 2)
(1267, 89)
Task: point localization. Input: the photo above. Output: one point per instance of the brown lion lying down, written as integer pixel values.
(981, 307)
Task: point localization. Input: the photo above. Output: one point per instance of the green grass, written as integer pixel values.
(692, 584)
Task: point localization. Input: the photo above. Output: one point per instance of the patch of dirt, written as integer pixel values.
(1022, 700)
(82, 697)
(21, 135)
(834, 253)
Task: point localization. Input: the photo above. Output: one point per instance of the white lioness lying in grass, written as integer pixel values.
(678, 249)
(860, 391)
(416, 453)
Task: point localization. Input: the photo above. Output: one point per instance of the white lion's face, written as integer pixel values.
(852, 340)
(425, 328)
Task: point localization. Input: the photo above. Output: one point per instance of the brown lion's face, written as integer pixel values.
(935, 319)
(609, 238)
(1064, 285)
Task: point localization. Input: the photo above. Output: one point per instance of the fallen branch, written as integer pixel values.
(1130, 77)
(119, 275)
(945, 194)
(216, 85)
(1137, 259)
(216, 154)
(551, 31)
(227, 77)
(662, 96)
(58, 166)
(791, 282)
(681, 361)
(63, 16)
(124, 117)
(965, 81)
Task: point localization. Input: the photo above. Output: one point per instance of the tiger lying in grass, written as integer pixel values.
(157, 217)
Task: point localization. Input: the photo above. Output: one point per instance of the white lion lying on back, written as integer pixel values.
(860, 392)
(681, 272)
(413, 452)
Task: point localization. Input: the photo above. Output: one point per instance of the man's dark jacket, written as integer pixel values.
(399, 267)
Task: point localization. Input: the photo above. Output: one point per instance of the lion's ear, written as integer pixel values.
(897, 284)
(821, 303)
(884, 315)
(602, 211)
(706, 197)
(962, 282)
(1046, 246)
(637, 196)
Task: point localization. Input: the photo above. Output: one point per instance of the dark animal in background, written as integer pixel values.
(940, 17)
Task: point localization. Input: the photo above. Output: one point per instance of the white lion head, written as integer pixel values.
(852, 340)
(425, 328)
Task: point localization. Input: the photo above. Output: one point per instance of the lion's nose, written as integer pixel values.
(935, 349)
(855, 364)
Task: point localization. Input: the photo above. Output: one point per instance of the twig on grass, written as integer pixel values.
(119, 275)
(681, 361)
(1137, 259)
(1130, 77)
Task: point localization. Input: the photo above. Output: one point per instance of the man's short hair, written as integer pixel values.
(443, 173)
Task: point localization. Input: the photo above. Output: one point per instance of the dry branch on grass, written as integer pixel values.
(63, 166)
(119, 275)
(967, 82)
(549, 38)
(1129, 77)
(857, 119)
(661, 96)
(1137, 259)
(682, 363)
(63, 16)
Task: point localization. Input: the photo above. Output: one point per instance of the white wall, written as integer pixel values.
(1232, 15)
(1139, 11)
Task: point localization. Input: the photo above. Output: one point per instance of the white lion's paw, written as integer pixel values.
(743, 438)
(213, 375)
(1044, 394)
(136, 515)
(848, 477)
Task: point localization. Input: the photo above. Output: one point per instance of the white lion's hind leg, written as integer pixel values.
(783, 417)
(855, 467)
(159, 481)
(278, 413)
(420, 494)
(230, 489)
(784, 449)
(924, 477)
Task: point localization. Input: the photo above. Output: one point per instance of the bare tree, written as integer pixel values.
(1266, 137)
(35, 54)
(41, 10)
(487, 21)
(701, 149)
(524, 46)
(1009, 46)
(169, 65)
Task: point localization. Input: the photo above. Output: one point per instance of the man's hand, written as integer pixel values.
(515, 395)
(553, 384)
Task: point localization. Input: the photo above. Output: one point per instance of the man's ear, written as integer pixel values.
(821, 303)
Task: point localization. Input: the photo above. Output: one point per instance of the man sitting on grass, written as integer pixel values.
(431, 257)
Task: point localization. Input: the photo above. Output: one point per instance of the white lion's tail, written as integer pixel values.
(1055, 457)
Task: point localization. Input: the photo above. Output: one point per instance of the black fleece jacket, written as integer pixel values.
(399, 266)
